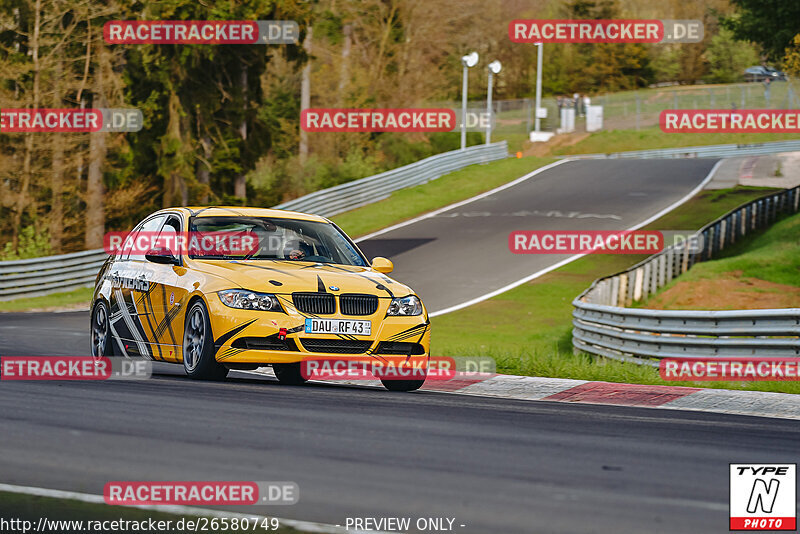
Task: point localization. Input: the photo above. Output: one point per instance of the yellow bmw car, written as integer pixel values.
(272, 288)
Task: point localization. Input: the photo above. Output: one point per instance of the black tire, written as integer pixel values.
(289, 374)
(102, 345)
(198, 346)
(402, 385)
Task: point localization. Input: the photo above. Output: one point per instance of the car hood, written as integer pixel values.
(285, 277)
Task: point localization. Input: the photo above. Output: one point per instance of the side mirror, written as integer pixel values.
(382, 265)
(161, 255)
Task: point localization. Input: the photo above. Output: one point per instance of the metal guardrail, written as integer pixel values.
(357, 193)
(52, 274)
(603, 323)
(709, 151)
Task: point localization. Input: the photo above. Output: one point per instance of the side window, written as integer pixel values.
(169, 234)
(150, 226)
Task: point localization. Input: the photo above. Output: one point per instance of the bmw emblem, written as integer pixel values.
(333, 288)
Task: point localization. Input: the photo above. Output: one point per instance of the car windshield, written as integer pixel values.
(263, 238)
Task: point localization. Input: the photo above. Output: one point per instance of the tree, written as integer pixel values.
(728, 58)
(769, 23)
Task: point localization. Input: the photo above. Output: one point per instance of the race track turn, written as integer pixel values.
(462, 253)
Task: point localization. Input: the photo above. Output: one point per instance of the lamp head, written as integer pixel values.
(470, 60)
(495, 66)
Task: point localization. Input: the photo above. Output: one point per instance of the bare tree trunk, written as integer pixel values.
(240, 182)
(22, 199)
(175, 189)
(204, 168)
(57, 184)
(305, 95)
(345, 72)
(95, 190)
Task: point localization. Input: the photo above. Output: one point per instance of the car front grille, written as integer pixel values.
(316, 303)
(336, 346)
(356, 304)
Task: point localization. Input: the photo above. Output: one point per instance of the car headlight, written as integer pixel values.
(410, 305)
(249, 300)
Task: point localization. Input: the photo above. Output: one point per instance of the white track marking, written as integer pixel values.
(537, 274)
(305, 526)
(461, 202)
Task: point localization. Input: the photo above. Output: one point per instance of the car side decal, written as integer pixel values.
(226, 336)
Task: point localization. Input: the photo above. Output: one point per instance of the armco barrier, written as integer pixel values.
(357, 193)
(51, 274)
(710, 151)
(604, 325)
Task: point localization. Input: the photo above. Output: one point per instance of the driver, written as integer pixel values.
(297, 250)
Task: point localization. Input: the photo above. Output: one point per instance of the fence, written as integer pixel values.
(52, 274)
(603, 323)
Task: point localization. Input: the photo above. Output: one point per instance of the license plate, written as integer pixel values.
(338, 326)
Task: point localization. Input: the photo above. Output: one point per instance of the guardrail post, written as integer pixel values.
(623, 290)
(615, 283)
(662, 272)
(638, 282)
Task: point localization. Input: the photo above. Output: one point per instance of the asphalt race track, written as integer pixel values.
(462, 253)
(496, 466)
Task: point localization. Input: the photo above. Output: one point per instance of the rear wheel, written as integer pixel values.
(198, 346)
(402, 385)
(102, 343)
(289, 373)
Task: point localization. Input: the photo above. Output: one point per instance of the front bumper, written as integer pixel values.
(252, 337)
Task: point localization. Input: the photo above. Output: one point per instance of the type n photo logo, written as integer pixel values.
(763, 497)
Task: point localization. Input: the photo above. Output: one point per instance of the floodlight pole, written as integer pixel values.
(537, 121)
(464, 108)
(489, 110)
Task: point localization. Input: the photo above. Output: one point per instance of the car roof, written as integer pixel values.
(232, 211)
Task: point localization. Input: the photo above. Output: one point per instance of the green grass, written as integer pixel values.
(772, 255)
(459, 185)
(56, 300)
(31, 508)
(606, 142)
(528, 329)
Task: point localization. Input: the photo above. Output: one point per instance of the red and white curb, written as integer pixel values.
(534, 388)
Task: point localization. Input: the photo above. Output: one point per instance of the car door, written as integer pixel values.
(164, 301)
(130, 288)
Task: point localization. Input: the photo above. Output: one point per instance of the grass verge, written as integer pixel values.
(528, 331)
(78, 299)
(606, 142)
(760, 271)
(31, 508)
(459, 185)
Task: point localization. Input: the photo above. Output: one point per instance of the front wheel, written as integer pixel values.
(402, 385)
(289, 373)
(198, 346)
(100, 337)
